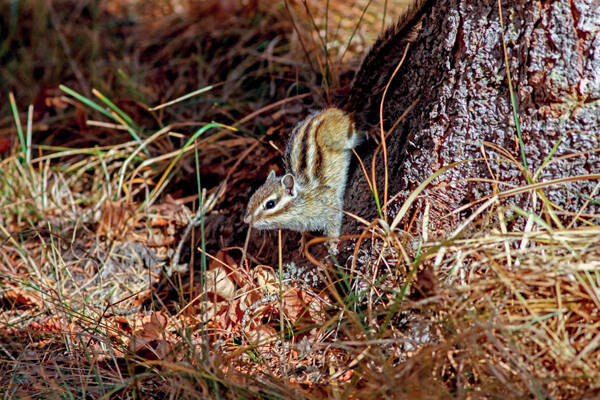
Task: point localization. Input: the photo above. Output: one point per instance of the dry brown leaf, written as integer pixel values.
(316, 309)
(21, 299)
(218, 282)
(120, 324)
(294, 305)
(261, 335)
(266, 279)
(114, 217)
(159, 239)
(170, 213)
(224, 260)
(235, 313)
(150, 343)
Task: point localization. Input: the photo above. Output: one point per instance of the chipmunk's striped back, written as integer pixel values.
(319, 148)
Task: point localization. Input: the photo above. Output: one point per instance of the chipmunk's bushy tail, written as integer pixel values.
(381, 60)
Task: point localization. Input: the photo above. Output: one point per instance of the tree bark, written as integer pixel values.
(457, 71)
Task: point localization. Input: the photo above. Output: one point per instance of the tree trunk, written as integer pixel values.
(457, 71)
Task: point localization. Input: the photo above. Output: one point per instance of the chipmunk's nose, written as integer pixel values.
(247, 219)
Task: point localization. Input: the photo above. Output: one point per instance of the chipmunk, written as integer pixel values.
(310, 195)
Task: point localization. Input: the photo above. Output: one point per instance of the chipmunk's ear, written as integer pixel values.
(271, 175)
(289, 185)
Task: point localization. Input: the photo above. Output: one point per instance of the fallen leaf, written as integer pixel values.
(218, 282)
(114, 218)
(19, 298)
(150, 342)
(266, 279)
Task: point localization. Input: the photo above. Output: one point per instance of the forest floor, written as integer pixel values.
(132, 134)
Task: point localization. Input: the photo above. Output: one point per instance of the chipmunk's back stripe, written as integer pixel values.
(303, 149)
(350, 130)
(318, 161)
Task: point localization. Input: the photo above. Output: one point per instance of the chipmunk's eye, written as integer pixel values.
(270, 204)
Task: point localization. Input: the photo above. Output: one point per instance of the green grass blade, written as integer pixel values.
(512, 97)
(547, 159)
(120, 112)
(15, 112)
(29, 133)
(118, 115)
(87, 102)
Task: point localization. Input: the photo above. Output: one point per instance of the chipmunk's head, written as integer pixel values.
(270, 205)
